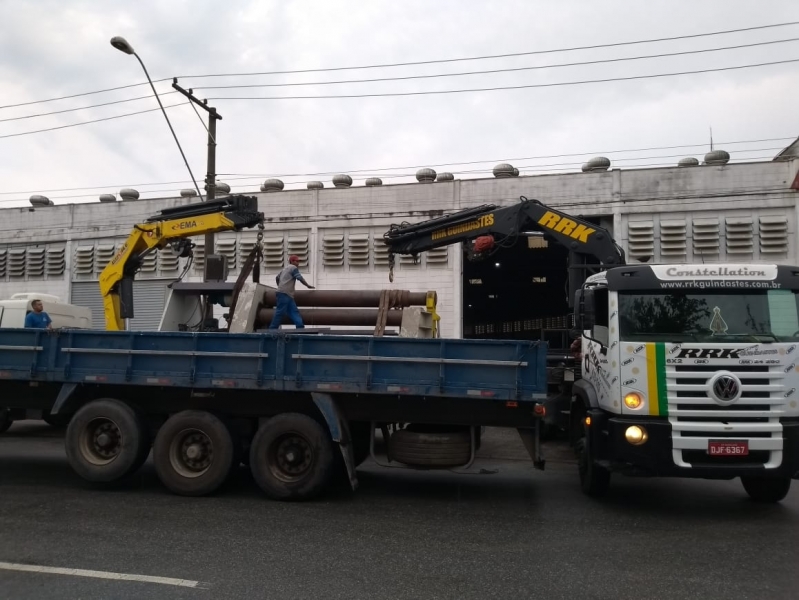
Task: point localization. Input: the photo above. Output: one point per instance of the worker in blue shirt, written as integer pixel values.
(38, 319)
(286, 281)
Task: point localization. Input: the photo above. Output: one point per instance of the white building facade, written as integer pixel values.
(709, 213)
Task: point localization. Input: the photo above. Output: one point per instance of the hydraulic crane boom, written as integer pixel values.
(173, 227)
(488, 226)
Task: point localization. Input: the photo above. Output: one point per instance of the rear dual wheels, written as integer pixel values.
(106, 441)
(292, 457)
(194, 453)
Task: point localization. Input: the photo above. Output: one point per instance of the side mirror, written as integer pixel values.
(586, 310)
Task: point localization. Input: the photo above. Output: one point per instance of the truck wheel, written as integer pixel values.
(5, 420)
(763, 489)
(106, 441)
(431, 449)
(594, 479)
(193, 453)
(292, 457)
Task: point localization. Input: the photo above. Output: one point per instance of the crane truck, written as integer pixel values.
(686, 371)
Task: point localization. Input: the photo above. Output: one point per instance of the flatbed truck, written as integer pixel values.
(297, 408)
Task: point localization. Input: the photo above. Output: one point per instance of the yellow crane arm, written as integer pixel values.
(170, 226)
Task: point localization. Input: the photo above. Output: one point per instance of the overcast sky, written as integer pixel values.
(53, 48)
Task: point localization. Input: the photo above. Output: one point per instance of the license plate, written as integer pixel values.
(718, 448)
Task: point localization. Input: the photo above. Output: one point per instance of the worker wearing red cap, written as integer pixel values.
(286, 305)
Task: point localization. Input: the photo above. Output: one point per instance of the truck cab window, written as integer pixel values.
(600, 331)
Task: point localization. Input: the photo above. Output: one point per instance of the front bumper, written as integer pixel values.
(657, 458)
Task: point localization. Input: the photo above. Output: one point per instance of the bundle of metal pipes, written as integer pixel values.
(353, 308)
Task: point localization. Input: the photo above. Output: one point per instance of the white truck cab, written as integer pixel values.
(690, 371)
(14, 310)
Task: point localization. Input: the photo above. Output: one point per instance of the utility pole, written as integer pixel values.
(210, 177)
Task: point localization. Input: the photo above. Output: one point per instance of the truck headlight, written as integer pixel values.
(633, 400)
(636, 435)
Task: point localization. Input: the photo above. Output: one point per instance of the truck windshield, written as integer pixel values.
(728, 316)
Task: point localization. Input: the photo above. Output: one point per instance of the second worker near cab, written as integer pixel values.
(286, 280)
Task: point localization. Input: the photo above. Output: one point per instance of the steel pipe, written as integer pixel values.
(346, 298)
(366, 317)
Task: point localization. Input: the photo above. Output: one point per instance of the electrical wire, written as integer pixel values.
(494, 71)
(66, 110)
(512, 87)
(493, 56)
(417, 63)
(527, 168)
(140, 112)
(377, 170)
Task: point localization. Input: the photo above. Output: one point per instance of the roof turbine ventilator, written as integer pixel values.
(108, 198)
(717, 157)
(596, 164)
(129, 194)
(39, 200)
(425, 175)
(342, 181)
(503, 170)
(272, 185)
(689, 161)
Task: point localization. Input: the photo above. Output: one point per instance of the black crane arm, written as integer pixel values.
(503, 224)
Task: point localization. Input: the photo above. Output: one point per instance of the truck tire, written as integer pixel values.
(594, 479)
(106, 441)
(292, 457)
(431, 449)
(766, 489)
(194, 452)
(5, 420)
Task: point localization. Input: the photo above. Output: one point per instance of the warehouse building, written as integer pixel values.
(706, 210)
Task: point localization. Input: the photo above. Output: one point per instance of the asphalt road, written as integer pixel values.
(510, 532)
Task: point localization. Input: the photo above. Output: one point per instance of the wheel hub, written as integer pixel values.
(191, 452)
(292, 456)
(101, 441)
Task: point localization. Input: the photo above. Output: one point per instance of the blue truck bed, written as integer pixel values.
(501, 370)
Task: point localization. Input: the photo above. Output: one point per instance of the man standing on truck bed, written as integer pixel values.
(37, 319)
(286, 280)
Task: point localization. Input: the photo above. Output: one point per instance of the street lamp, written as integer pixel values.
(123, 45)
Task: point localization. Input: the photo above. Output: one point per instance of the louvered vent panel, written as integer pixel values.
(35, 262)
(55, 263)
(380, 252)
(169, 260)
(245, 246)
(149, 263)
(773, 235)
(333, 250)
(84, 260)
(103, 256)
(739, 233)
(673, 236)
(298, 244)
(439, 257)
(273, 253)
(3, 262)
(199, 255)
(227, 248)
(16, 262)
(706, 237)
(641, 239)
(358, 249)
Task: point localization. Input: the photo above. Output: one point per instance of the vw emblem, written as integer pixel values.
(725, 388)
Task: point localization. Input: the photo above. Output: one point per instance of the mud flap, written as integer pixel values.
(339, 432)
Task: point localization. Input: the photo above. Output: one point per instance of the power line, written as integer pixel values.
(140, 112)
(536, 168)
(493, 56)
(377, 170)
(494, 71)
(509, 87)
(416, 63)
(113, 89)
(66, 110)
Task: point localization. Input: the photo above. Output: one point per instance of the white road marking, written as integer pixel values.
(104, 575)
